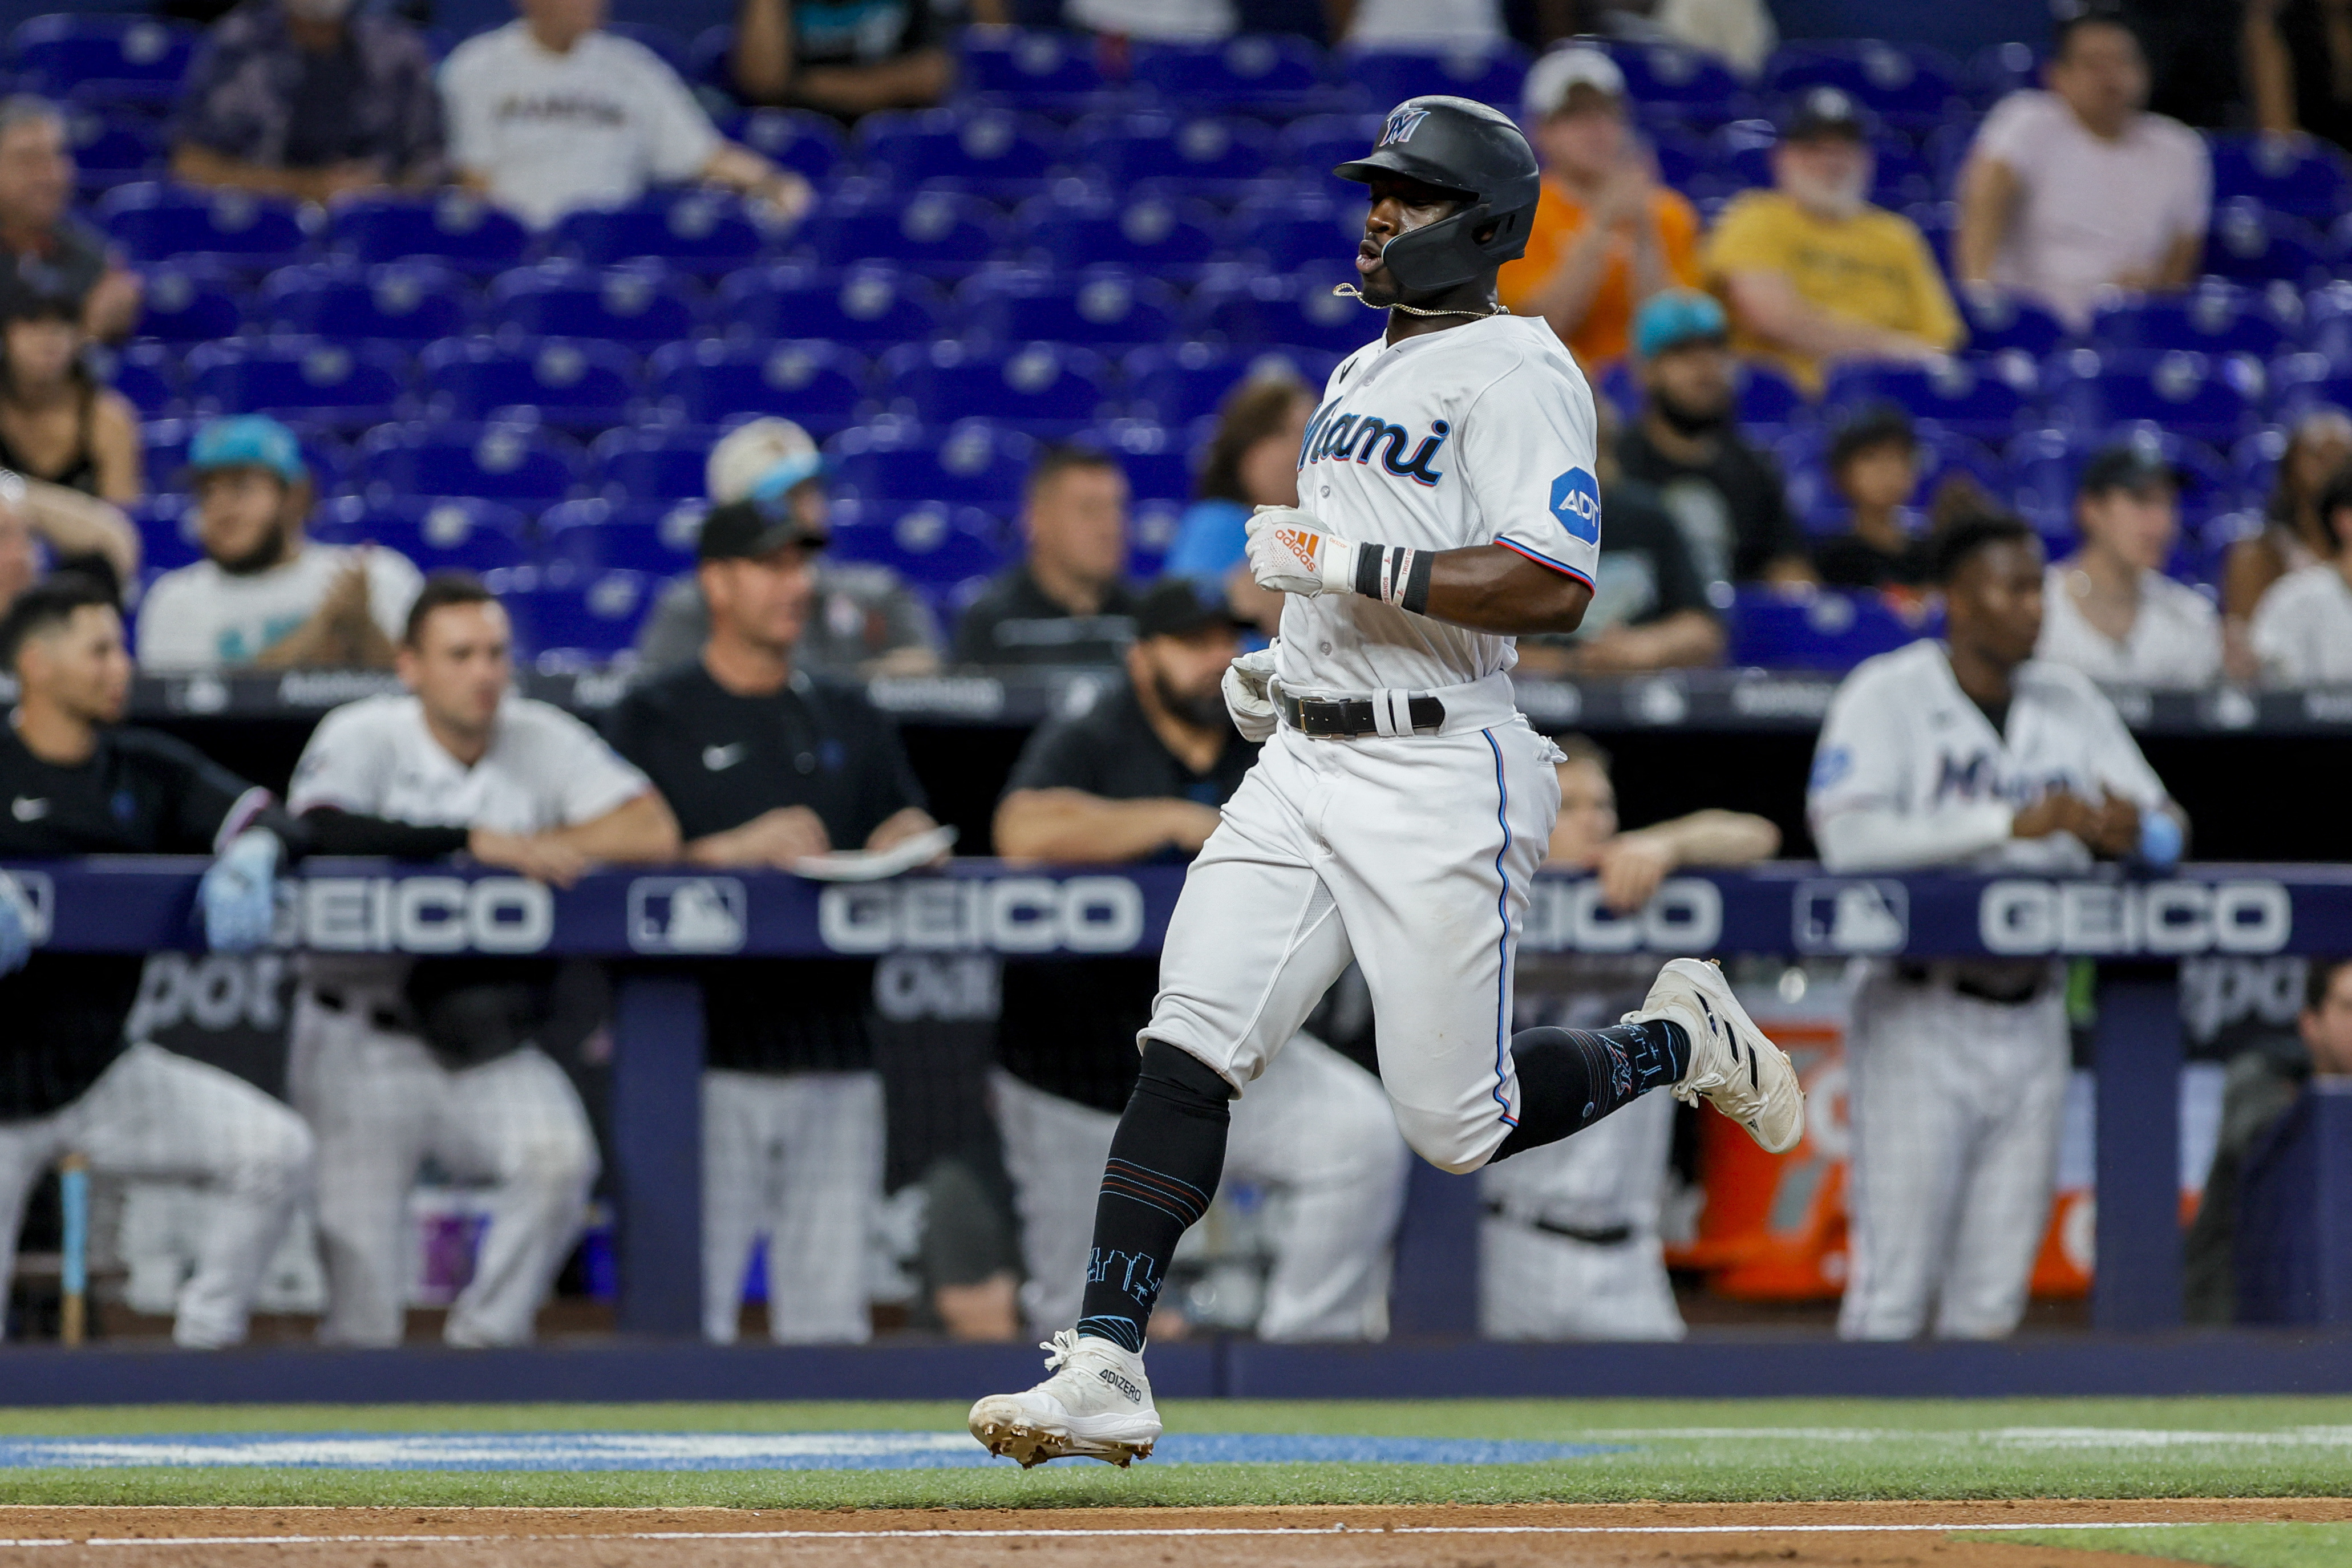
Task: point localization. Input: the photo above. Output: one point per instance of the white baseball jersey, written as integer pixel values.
(1481, 433)
(1903, 741)
(2175, 640)
(2303, 628)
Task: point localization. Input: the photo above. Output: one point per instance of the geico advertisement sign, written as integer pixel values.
(1002, 914)
(422, 914)
(2163, 918)
(1685, 915)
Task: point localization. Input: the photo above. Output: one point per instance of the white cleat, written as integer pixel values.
(1096, 1405)
(1732, 1064)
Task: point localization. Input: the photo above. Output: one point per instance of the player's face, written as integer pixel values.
(764, 601)
(2327, 1030)
(1398, 206)
(1588, 814)
(37, 173)
(81, 667)
(242, 516)
(461, 664)
(1880, 478)
(1586, 139)
(1995, 601)
(1270, 467)
(1829, 176)
(2137, 525)
(1077, 523)
(2102, 75)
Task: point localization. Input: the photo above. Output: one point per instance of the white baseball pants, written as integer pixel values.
(1315, 1123)
(153, 1114)
(796, 1157)
(1539, 1285)
(379, 1103)
(1955, 1106)
(1410, 855)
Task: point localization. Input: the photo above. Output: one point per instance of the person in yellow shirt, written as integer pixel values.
(1812, 272)
(1606, 235)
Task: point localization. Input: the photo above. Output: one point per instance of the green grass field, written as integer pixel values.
(2225, 1545)
(1791, 1450)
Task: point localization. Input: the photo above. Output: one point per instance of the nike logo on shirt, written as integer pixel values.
(718, 758)
(29, 810)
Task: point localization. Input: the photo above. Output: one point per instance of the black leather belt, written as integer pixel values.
(1603, 1236)
(391, 1019)
(1352, 718)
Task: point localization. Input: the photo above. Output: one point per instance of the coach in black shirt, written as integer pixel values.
(766, 767)
(1141, 777)
(72, 783)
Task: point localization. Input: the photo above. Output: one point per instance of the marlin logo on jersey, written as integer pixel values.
(1400, 126)
(1356, 436)
(1979, 778)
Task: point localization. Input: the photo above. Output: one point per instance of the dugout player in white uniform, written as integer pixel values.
(1139, 776)
(75, 783)
(1969, 753)
(393, 1059)
(1401, 802)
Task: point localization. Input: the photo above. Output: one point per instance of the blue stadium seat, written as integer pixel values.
(2185, 392)
(167, 534)
(1032, 67)
(1742, 153)
(191, 303)
(709, 59)
(1685, 159)
(310, 381)
(924, 541)
(2045, 465)
(149, 375)
(395, 302)
(1193, 151)
(979, 463)
(438, 533)
(155, 222)
(1999, 69)
(869, 304)
(60, 51)
(1103, 307)
(1999, 322)
(2307, 177)
(1158, 466)
(1045, 389)
(2214, 319)
(1265, 310)
(518, 464)
(1768, 397)
(112, 150)
(462, 230)
(1267, 70)
(2302, 382)
(807, 143)
(1973, 396)
(1391, 76)
(1181, 382)
(581, 541)
(1151, 530)
(576, 383)
(664, 463)
(2251, 244)
(1314, 144)
(568, 624)
(691, 230)
(637, 304)
(2253, 462)
(1696, 83)
(1818, 631)
(164, 444)
(817, 384)
(1285, 232)
(1904, 84)
(1148, 232)
(993, 151)
(1943, 453)
(942, 234)
(2327, 322)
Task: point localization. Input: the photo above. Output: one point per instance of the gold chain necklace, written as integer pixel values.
(1350, 291)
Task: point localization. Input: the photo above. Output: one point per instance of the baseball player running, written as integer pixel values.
(1401, 803)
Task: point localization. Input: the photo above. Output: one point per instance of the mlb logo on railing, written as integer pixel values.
(688, 914)
(1844, 917)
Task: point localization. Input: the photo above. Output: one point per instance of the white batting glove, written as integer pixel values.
(1247, 698)
(1290, 551)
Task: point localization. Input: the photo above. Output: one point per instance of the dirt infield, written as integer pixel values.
(1652, 1535)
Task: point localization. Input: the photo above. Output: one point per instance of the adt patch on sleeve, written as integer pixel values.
(1576, 502)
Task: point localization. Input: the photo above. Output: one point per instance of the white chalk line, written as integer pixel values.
(1141, 1533)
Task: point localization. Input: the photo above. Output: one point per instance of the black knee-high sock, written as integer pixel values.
(1165, 1160)
(1571, 1078)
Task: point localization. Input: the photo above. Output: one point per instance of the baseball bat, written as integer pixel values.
(73, 1196)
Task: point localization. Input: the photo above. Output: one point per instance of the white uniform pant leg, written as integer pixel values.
(1055, 1150)
(27, 1148)
(830, 1165)
(1536, 1284)
(738, 1191)
(517, 1122)
(156, 1115)
(2004, 1205)
(371, 1098)
(1319, 1127)
(1432, 843)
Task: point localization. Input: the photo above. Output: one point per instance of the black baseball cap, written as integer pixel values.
(1824, 111)
(1180, 607)
(2127, 466)
(746, 530)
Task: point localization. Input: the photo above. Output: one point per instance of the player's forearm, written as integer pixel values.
(762, 56)
(1718, 838)
(331, 831)
(1487, 588)
(641, 832)
(1988, 190)
(1071, 826)
(76, 524)
(2269, 71)
(1862, 840)
(1769, 306)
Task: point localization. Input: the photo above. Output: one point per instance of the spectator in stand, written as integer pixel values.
(1252, 461)
(311, 99)
(2299, 66)
(2292, 537)
(1817, 276)
(1874, 466)
(845, 61)
(866, 622)
(2109, 610)
(1435, 26)
(264, 595)
(1606, 236)
(767, 768)
(2302, 630)
(43, 528)
(58, 425)
(1065, 603)
(1650, 609)
(1140, 777)
(43, 248)
(1739, 32)
(1724, 492)
(550, 114)
(2078, 189)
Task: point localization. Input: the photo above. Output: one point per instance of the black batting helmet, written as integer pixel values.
(1477, 153)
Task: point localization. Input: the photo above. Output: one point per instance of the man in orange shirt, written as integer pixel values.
(1606, 235)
